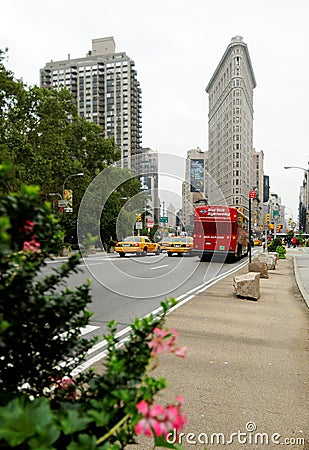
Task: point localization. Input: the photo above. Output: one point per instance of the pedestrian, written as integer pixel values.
(294, 241)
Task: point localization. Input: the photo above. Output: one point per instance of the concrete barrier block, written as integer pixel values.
(247, 285)
(275, 254)
(260, 267)
(269, 259)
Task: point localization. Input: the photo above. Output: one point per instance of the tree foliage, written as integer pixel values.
(45, 141)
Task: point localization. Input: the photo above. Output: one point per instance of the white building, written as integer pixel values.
(230, 119)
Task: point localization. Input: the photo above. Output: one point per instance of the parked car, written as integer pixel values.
(257, 242)
(180, 245)
(141, 245)
(165, 243)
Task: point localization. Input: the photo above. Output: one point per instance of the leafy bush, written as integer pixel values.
(281, 251)
(272, 245)
(41, 405)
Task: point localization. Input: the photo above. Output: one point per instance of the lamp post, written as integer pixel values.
(303, 218)
(296, 167)
(79, 174)
(252, 194)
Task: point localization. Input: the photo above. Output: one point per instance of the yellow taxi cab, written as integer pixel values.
(165, 243)
(257, 242)
(180, 245)
(141, 245)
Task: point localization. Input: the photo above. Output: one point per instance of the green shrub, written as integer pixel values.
(272, 245)
(41, 405)
(281, 251)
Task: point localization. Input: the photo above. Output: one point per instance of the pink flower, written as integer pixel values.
(27, 229)
(164, 342)
(31, 246)
(158, 420)
(65, 383)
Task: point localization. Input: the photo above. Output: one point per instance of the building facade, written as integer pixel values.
(230, 126)
(303, 208)
(276, 211)
(258, 186)
(106, 90)
(195, 185)
(149, 175)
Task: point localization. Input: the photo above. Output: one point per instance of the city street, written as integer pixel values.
(125, 288)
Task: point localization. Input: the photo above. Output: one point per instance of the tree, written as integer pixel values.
(45, 141)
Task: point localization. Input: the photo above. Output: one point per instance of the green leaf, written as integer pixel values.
(85, 442)
(73, 422)
(20, 420)
(45, 438)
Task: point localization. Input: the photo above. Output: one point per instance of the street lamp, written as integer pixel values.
(303, 210)
(296, 167)
(80, 174)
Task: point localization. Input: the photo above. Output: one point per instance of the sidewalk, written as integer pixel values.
(246, 367)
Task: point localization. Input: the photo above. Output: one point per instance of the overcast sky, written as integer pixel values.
(176, 46)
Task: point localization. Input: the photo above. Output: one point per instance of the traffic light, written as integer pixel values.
(139, 218)
(267, 218)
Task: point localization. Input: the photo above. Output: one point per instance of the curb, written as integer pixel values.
(300, 284)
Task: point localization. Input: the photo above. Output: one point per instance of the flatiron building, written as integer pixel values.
(230, 127)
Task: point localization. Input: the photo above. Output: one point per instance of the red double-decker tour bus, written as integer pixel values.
(220, 230)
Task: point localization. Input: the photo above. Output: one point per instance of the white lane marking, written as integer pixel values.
(158, 267)
(156, 311)
(88, 329)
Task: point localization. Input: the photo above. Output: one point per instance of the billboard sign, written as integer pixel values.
(197, 174)
(68, 197)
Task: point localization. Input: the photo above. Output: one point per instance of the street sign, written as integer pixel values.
(62, 203)
(139, 225)
(163, 219)
(252, 194)
(150, 223)
(275, 212)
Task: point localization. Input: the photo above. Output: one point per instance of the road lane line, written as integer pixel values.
(88, 328)
(158, 267)
(185, 298)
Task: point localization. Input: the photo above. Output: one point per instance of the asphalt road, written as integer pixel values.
(125, 288)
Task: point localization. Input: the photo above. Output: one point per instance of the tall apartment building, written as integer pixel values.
(230, 122)
(195, 185)
(106, 91)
